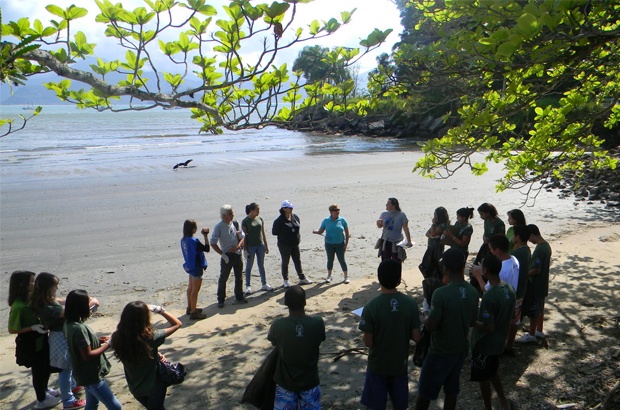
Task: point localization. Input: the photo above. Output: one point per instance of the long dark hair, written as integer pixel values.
(517, 216)
(41, 293)
(188, 227)
(467, 212)
(442, 215)
(19, 286)
(488, 208)
(132, 332)
(395, 203)
(251, 207)
(77, 307)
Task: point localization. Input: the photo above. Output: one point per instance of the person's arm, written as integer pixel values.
(175, 323)
(34, 328)
(485, 327)
(277, 227)
(245, 231)
(407, 234)
(431, 324)
(416, 335)
(205, 247)
(476, 272)
(262, 226)
(346, 237)
(379, 223)
(319, 231)
(368, 340)
(89, 354)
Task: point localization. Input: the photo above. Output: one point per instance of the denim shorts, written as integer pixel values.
(377, 388)
(438, 372)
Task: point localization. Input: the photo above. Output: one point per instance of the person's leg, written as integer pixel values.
(398, 388)
(499, 389)
(249, 264)
(421, 403)
(285, 399)
(514, 326)
(375, 391)
(296, 256)
(330, 250)
(156, 400)
(452, 385)
(310, 399)
(449, 402)
(260, 261)
(485, 390)
(196, 285)
(190, 308)
(237, 262)
(64, 383)
(101, 393)
(221, 283)
(285, 253)
(341, 260)
(40, 376)
(541, 315)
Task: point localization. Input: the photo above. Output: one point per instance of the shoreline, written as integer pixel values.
(118, 235)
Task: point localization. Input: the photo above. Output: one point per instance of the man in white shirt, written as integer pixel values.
(498, 246)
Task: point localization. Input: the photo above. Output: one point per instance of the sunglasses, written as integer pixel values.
(335, 210)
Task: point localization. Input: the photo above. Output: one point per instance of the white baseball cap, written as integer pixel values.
(287, 204)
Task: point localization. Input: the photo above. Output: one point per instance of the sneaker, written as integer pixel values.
(346, 279)
(220, 304)
(77, 389)
(53, 392)
(526, 338)
(328, 279)
(266, 287)
(77, 404)
(305, 281)
(286, 284)
(540, 335)
(197, 316)
(240, 301)
(248, 290)
(49, 401)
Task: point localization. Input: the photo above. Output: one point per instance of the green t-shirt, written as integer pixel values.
(21, 316)
(142, 376)
(51, 316)
(297, 339)
(493, 227)
(79, 336)
(463, 230)
(390, 318)
(254, 229)
(454, 307)
(541, 258)
(510, 233)
(496, 307)
(523, 255)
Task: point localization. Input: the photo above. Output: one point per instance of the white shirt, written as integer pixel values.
(509, 273)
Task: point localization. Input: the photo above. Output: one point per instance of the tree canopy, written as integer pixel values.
(211, 74)
(535, 84)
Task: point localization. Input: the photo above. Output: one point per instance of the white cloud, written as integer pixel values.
(370, 14)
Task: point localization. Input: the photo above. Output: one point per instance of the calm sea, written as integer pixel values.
(64, 139)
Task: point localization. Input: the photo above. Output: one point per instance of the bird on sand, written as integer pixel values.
(182, 164)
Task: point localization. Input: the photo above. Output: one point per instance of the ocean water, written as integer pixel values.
(65, 140)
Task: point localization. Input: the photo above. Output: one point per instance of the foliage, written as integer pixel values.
(319, 64)
(497, 66)
(212, 75)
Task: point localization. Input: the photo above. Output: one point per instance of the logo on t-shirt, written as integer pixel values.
(394, 305)
(299, 331)
(463, 293)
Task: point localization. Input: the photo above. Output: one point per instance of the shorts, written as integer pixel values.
(377, 388)
(536, 308)
(307, 400)
(484, 367)
(438, 372)
(199, 272)
(516, 319)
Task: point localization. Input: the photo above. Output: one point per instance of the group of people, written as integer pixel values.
(52, 337)
(232, 240)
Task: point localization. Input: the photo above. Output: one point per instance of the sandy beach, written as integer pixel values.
(115, 232)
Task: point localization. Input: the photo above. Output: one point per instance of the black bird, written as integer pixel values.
(182, 164)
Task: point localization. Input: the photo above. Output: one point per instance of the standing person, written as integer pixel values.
(430, 266)
(498, 246)
(287, 228)
(393, 223)
(90, 365)
(32, 349)
(490, 332)
(523, 254)
(493, 225)
(454, 309)
(515, 218)
(51, 311)
(297, 338)
(195, 265)
(388, 321)
(135, 344)
(537, 287)
(336, 240)
(230, 236)
(255, 245)
(463, 229)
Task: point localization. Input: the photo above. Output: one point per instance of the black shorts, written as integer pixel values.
(484, 367)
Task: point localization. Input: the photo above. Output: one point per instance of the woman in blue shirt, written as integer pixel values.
(336, 240)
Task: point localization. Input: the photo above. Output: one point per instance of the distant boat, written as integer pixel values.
(30, 107)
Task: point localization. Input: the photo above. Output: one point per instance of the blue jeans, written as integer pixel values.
(100, 392)
(66, 384)
(338, 250)
(259, 253)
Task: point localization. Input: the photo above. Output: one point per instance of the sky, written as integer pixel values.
(370, 14)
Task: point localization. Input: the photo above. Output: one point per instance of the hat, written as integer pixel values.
(287, 204)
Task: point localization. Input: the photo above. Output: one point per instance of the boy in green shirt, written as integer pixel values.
(297, 338)
(388, 321)
(490, 331)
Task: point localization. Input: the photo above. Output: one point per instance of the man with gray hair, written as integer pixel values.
(230, 237)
